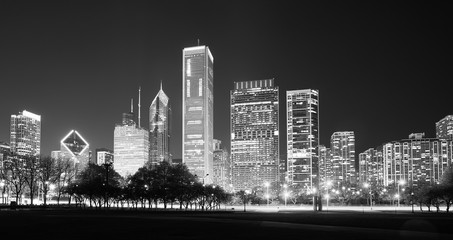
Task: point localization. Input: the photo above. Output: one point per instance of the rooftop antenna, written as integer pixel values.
(139, 91)
(132, 105)
(198, 40)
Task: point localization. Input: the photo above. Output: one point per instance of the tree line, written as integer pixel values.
(101, 186)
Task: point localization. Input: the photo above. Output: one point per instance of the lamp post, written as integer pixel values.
(412, 201)
(400, 182)
(327, 198)
(266, 184)
(285, 192)
(367, 185)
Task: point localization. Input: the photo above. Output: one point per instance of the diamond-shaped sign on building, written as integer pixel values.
(74, 146)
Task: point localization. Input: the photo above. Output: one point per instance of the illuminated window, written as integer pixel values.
(188, 88)
(188, 68)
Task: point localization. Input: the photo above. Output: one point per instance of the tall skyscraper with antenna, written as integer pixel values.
(160, 128)
(130, 144)
(198, 111)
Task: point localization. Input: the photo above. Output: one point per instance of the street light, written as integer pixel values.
(400, 182)
(266, 184)
(285, 193)
(367, 185)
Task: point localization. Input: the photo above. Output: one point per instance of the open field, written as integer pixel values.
(258, 223)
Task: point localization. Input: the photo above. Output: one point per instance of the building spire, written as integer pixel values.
(132, 105)
(139, 92)
(161, 85)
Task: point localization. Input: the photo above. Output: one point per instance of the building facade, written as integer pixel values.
(342, 145)
(444, 128)
(73, 146)
(222, 166)
(416, 159)
(130, 148)
(25, 133)
(160, 128)
(198, 111)
(302, 124)
(104, 156)
(254, 126)
(371, 167)
(325, 165)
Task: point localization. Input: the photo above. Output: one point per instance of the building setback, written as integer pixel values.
(130, 146)
(302, 123)
(25, 134)
(444, 128)
(198, 111)
(254, 133)
(159, 128)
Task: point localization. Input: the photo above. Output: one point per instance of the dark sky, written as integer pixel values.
(383, 70)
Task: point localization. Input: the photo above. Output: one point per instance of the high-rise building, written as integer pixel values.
(104, 156)
(325, 165)
(130, 145)
(416, 159)
(25, 133)
(302, 121)
(198, 111)
(5, 149)
(342, 145)
(371, 167)
(254, 133)
(74, 146)
(159, 128)
(444, 128)
(222, 166)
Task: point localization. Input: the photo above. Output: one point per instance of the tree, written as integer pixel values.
(244, 196)
(446, 187)
(64, 175)
(13, 173)
(47, 176)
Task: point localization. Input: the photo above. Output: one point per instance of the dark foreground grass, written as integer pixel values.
(137, 224)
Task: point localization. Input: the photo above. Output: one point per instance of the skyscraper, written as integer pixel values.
(342, 145)
(75, 147)
(254, 133)
(303, 137)
(159, 128)
(130, 145)
(325, 165)
(198, 111)
(25, 133)
(222, 166)
(444, 128)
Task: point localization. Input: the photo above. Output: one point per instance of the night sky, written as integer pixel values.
(382, 70)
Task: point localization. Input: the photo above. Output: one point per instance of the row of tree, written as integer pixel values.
(101, 186)
(20, 175)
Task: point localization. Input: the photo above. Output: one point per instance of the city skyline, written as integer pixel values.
(374, 72)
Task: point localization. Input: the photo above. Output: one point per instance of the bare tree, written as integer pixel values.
(64, 174)
(47, 176)
(31, 173)
(13, 173)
